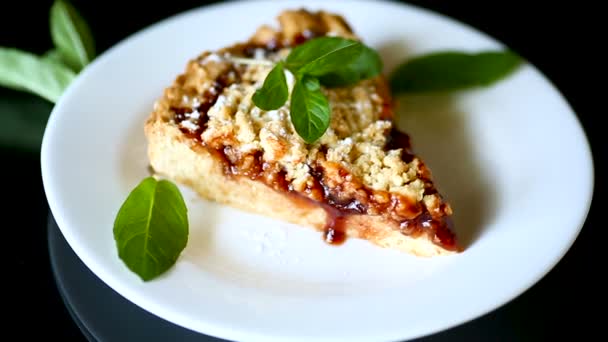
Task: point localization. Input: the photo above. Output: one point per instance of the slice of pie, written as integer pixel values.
(360, 179)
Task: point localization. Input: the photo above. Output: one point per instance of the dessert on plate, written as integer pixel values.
(361, 179)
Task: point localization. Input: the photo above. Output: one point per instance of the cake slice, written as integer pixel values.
(361, 179)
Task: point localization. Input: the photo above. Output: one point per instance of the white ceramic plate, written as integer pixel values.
(512, 159)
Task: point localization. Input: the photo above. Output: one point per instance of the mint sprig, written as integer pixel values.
(48, 75)
(328, 61)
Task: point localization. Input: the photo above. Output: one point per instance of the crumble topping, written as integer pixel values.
(358, 137)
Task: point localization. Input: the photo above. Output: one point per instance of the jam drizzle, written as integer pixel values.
(398, 139)
(337, 210)
(414, 219)
(209, 98)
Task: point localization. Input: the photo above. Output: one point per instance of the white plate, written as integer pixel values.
(512, 159)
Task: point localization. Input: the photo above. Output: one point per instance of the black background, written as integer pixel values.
(563, 39)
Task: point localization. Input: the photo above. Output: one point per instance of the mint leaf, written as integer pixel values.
(332, 61)
(274, 91)
(151, 228)
(452, 70)
(367, 65)
(310, 112)
(320, 56)
(24, 71)
(71, 35)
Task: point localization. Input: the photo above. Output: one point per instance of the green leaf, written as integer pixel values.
(310, 112)
(452, 70)
(323, 55)
(24, 71)
(274, 91)
(151, 228)
(71, 35)
(367, 65)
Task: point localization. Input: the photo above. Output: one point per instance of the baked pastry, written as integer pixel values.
(361, 179)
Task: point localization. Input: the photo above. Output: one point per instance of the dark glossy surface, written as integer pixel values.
(563, 39)
(93, 305)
